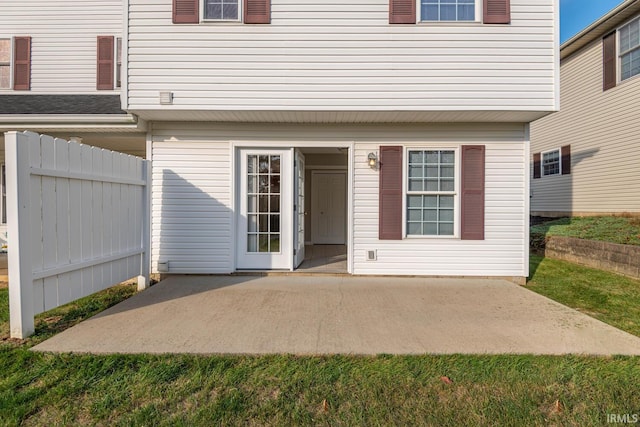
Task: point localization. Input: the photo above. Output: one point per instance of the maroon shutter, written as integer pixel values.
(186, 12)
(497, 12)
(390, 215)
(566, 159)
(536, 166)
(22, 63)
(257, 11)
(105, 71)
(472, 204)
(402, 11)
(609, 61)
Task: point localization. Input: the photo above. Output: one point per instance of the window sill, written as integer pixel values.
(415, 237)
(450, 23)
(221, 22)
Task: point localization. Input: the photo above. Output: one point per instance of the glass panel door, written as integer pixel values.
(265, 209)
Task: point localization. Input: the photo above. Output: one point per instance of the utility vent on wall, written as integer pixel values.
(372, 255)
(163, 266)
(166, 98)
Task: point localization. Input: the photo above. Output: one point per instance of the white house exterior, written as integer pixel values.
(416, 126)
(49, 75)
(585, 157)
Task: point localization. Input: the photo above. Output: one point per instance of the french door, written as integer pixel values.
(264, 237)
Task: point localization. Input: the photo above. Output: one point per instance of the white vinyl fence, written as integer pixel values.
(77, 223)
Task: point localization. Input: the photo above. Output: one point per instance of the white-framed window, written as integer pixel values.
(629, 51)
(221, 10)
(431, 196)
(5, 63)
(449, 10)
(118, 62)
(551, 164)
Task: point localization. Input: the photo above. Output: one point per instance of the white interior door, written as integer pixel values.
(264, 238)
(328, 207)
(298, 209)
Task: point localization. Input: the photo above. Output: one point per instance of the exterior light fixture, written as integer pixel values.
(372, 159)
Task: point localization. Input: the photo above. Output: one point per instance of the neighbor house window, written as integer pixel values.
(431, 194)
(221, 10)
(630, 49)
(5, 63)
(119, 62)
(448, 10)
(551, 163)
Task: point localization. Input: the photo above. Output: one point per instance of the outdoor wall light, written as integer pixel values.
(372, 159)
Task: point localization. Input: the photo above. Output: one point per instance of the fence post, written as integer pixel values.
(18, 168)
(145, 268)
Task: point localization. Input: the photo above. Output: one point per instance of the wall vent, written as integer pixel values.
(372, 255)
(163, 266)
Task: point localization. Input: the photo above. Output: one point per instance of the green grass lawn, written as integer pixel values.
(609, 297)
(48, 389)
(615, 229)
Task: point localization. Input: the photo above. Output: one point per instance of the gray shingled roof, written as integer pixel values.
(60, 104)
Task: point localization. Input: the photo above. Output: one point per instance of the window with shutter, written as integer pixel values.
(22, 63)
(186, 12)
(105, 66)
(496, 12)
(629, 35)
(390, 198)
(472, 192)
(402, 11)
(448, 10)
(609, 61)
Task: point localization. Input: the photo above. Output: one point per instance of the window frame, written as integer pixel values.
(477, 18)
(204, 19)
(620, 54)
(542, 153)
(456, 193)
(10, 63)
(117, 63)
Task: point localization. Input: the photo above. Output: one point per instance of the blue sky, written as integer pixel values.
(575, 15)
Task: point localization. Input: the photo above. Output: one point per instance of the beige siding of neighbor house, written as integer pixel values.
(603, 129)
(193, 184)
(63, 40)
(341, 56)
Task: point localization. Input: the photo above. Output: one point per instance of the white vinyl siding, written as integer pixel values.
(63, 40)
(193, 209)
(343, 56)
(602, 129)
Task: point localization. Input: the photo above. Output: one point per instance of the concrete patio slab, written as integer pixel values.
(354, 315)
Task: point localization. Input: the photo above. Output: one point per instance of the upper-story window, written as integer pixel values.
(221, 10)
(5, 63)
(448, 10)
(630, 49)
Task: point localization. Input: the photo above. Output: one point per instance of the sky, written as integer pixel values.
(576, 15)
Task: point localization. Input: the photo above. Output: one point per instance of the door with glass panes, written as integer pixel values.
(264, 239)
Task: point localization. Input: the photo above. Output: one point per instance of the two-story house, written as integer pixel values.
(397, 130)
(60, 74)
(585, 158)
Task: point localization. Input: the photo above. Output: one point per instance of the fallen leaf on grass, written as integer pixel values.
(557, 407)
(325, 405)
(446, 380)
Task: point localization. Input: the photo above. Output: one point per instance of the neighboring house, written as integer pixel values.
(585, 158)
(60, 68)
(413, 115)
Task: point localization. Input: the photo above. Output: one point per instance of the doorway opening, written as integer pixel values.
(292, 209)
(325, 212)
